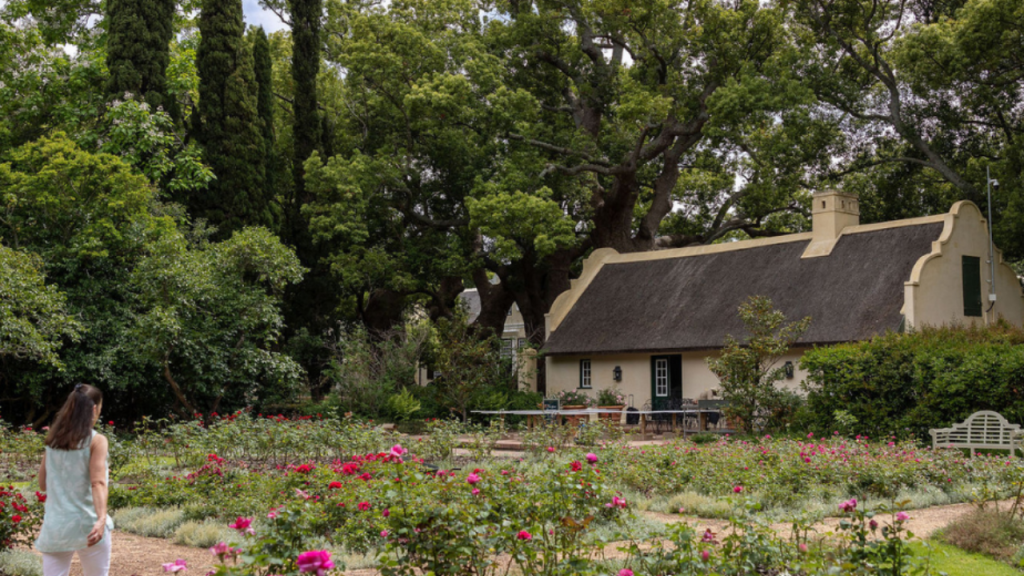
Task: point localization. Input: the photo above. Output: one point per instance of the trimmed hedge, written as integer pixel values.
(904, 384)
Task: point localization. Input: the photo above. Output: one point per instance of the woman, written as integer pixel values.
(74, 476)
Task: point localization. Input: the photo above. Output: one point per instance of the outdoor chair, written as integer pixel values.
(661, 422)
(690, 421)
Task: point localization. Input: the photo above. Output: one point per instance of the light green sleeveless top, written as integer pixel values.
(70, 513)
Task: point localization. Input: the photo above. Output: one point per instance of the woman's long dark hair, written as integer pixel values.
(73, 424)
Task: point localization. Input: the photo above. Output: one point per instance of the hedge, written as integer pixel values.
(904, 384)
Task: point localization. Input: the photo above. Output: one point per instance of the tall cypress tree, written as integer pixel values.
(305, 66)
(227, 123)
(263, 67)
(138, 50)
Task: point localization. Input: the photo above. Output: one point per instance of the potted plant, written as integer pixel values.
(574, 400)
(610, 399)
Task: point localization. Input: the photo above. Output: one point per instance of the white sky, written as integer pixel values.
(257, 16)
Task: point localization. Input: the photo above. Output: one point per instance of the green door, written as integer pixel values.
(666, 380)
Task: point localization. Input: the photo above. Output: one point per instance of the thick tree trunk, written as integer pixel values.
(384, 310)
(495, 301)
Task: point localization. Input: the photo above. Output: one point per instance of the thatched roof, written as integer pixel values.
(690, 302)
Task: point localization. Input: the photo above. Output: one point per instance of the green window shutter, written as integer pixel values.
(972, 285)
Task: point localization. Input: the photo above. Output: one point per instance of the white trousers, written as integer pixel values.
(95, 560)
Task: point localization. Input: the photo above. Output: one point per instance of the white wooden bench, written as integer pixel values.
(985, 430)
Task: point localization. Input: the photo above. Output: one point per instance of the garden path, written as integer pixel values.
(142, 556)
(923, 522)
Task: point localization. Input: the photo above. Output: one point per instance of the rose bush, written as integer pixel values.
(20, 516)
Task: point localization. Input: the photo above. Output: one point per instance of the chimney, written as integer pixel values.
(833, 210)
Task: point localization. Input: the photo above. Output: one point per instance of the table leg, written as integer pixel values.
(643, 424)
(673, 423)
(703, 421)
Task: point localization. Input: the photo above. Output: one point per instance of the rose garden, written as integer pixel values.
(272, 495)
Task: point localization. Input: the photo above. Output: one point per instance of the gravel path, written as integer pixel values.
(923, 523)
(141, 556)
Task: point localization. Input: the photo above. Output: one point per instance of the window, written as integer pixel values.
(972, 285)
(506, 347)
(661, 377)
(522, 343)
(585, 374)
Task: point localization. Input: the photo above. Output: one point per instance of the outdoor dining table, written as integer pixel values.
(534, 417)
(702, 416)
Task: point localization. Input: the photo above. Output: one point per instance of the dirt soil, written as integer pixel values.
(141, 556)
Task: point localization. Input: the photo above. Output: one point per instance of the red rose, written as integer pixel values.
(16, 518)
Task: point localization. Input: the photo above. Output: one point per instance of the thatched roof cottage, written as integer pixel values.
(657, 316)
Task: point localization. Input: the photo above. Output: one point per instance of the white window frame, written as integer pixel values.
(661, 383)
(586, 375)
(507, 347)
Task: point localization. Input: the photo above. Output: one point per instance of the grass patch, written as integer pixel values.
(156, 523)
(944, 558)
(20, 563)
(203, 534)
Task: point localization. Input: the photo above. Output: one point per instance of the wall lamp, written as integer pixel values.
(617, 373)
(788, 367)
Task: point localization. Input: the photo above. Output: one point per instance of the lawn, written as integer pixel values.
(956, 562)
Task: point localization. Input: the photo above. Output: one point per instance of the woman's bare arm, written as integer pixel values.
(98, 477)
(42, 475)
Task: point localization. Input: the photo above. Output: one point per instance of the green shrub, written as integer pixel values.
(905, 384)
(704, 437)
(148, 521)
(403, 405)
(20, 563)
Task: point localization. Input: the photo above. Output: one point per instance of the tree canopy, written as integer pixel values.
(203, 207)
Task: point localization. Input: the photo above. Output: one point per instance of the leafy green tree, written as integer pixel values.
(750, 370)
(227, 123)
(33, 316)
(508, 147)
(209, 315)
(43, 89)
(139, 34)
(147, 140)
(926, 96)
(88, 217)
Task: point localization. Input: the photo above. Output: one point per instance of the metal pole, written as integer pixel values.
(991, 245)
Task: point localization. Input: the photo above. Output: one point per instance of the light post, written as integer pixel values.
(989, 184)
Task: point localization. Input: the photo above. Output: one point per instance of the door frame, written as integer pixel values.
(675, 376)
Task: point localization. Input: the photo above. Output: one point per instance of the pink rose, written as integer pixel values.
(318, 561)
(704, 555)
(397, 450)
(383, 533)
(475, 491)
(902, 517)
(176, 566)
(737, 489)
(524, 535)
(591, 458)
(472, 478)
(241, 524)
(625, 572)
